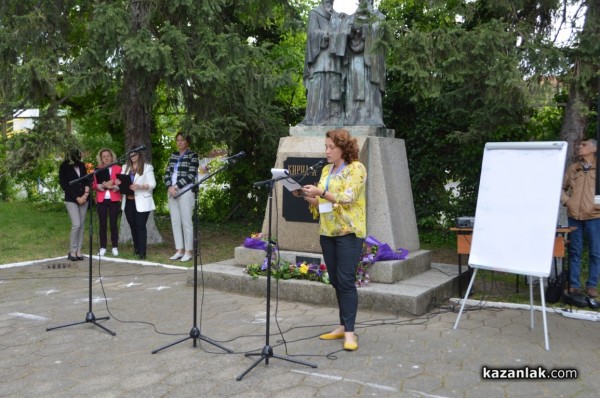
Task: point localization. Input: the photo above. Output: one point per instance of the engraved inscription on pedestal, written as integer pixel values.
(296, 209)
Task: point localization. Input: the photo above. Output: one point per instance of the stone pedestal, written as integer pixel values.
(390, 209)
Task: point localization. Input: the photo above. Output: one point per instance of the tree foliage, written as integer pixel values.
(115, 64)
(463, 73)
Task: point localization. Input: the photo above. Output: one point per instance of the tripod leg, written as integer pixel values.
(172, 344)
(65, 326)
(262, 356)
(90, 318)
(201, 337)
(312, 365)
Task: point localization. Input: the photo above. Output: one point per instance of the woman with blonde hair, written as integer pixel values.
(108, 198)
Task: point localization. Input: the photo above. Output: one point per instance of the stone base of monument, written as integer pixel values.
(413, 295)
(381, 272)
(412, 285)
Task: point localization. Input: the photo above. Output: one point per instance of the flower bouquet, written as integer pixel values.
(286, 270)
(373, 251)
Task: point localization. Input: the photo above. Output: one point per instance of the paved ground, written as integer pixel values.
(152, 306)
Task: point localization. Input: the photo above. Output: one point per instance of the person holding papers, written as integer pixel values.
(138, 202)
(181, 173)
(338, 200)
(108, 199)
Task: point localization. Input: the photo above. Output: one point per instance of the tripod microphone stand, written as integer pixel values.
(90, 317)
(267, 351)
(195, 331)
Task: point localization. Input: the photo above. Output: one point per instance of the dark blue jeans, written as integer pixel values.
(592, 229)
(341, 255)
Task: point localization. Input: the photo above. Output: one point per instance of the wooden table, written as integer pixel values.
(463, 246)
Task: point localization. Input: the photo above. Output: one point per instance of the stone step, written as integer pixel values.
(415, 295)
(394, 271)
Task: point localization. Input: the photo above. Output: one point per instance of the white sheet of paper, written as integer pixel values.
(325, 207)
(289, 183)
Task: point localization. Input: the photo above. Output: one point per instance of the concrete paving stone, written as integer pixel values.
(487, 391)
(397, 356)
(459, 380)
(425, 384)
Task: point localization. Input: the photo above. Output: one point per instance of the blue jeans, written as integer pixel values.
(592, 229)
(341, 255)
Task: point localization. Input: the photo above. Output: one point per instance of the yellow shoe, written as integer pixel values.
(332, 336)
(351, 346)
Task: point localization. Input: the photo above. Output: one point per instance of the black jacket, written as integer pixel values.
(66, 174)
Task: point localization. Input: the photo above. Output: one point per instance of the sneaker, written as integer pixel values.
(592, 291)
(115, 252)
(186, 257)
(176, 256)
(102, 252)
(574, 290)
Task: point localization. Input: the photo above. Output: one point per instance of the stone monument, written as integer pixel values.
(345, 80)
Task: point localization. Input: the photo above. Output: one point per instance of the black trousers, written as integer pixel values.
(341, 255)
(110, 209)
(137, 223)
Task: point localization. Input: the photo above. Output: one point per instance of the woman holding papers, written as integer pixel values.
(139, 203)
(338, 200)
(108, 199)
(180, 175)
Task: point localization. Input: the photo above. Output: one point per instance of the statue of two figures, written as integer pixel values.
(344, 67)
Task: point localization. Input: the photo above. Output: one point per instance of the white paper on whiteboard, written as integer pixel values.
(289, 183)
(517, 207)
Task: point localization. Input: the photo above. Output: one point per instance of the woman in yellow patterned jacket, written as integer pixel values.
(339, 201)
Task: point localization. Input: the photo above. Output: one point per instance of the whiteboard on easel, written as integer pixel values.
(517, 207)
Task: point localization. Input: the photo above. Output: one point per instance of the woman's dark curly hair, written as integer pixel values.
(343, 140)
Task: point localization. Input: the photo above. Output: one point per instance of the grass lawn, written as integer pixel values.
(37, 231)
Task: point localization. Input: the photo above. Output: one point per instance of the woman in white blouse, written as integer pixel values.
(137, 207)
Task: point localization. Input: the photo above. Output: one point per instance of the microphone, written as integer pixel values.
(235, 157)
(138, 149)
(317, 165)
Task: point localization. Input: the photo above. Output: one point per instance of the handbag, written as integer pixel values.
(556, 288)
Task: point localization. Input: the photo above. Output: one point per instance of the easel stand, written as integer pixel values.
(462, 306)
(267, 350)
(195, 331)
(90, 317)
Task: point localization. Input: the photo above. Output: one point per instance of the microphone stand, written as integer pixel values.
(267, 351)
(90, 317)
(195, 331)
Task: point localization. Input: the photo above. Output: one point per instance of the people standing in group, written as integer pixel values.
(137, 206)
(181, 173)
(579, 186)
(108, 200)
(76, 199)
(339, 201)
